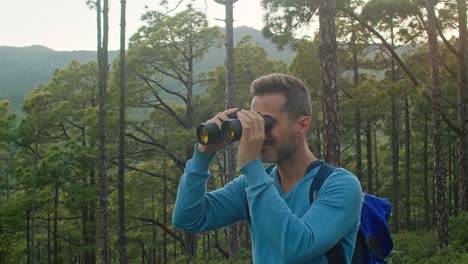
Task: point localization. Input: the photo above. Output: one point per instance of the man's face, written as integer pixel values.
(280, 140)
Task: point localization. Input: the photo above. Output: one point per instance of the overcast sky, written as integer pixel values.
(66, 25)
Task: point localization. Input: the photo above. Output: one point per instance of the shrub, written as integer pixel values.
(7, 251)
(458, 232)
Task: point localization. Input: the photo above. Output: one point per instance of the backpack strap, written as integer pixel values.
(336, 254)
(323, 173)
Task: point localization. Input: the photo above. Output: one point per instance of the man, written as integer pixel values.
(285, 227)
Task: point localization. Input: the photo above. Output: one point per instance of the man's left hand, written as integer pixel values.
(253, 135)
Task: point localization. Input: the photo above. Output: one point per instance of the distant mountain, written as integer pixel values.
(22, 69)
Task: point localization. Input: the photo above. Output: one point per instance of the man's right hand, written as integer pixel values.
(218, 120)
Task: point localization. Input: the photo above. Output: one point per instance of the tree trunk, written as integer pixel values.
(122, 125)
(33, 195)
(395, 154)
(427, 205)
(28, 237)
(357, 124)
(319, 141)
(376, 167)
(439, 175)
(56, 204)
(357, 128)
(49, 250)
(329, 87)
(102, 130)
(89, 224)
(463, 104)
(154, 242)
(407, 165)
(190, 244)
(165, 201)
(450, 171)
(230, 152)
(370, 188)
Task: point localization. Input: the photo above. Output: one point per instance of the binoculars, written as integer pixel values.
(231, 130)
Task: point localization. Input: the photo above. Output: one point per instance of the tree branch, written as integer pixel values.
(446, 42)
(157, 223)
(405, 68)
(146, 172)
(167, 107)
(179, 163)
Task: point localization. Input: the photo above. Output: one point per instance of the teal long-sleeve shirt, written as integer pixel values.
(285, 227)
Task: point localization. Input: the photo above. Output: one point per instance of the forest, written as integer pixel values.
(90, 166)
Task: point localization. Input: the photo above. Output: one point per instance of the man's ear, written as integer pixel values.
(304, 126)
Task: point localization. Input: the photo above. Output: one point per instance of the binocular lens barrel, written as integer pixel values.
(208, 133)
(231, 130)
(204, 135)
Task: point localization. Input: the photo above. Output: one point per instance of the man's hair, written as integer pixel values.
(296, 92)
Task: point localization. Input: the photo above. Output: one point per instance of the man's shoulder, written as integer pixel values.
(341, 176)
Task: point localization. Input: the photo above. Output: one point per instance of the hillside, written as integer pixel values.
(22, 69)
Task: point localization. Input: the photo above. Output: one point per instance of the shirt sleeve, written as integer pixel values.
(198, 210)
(332, 215)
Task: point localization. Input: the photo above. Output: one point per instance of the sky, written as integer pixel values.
(66, 25)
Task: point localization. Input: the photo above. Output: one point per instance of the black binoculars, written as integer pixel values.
(231, 130)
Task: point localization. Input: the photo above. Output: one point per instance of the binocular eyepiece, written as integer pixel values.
(231, 130)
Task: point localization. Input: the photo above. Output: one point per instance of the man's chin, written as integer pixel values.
(268, 158)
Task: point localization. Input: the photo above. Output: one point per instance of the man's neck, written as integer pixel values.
(292, 170)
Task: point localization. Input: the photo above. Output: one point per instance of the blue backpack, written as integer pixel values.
(373, 242)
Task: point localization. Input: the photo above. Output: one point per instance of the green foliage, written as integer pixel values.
(449, 255)
(306, 65)
(411, 247)
(22, 69)
(458, 231)
(422, 247)
(8, 253)
(243, 257)
(251, 61)
(283, 17)
(60, 118)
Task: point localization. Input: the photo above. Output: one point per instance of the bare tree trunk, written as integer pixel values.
(357, 128)
(427, 206)
(449, 173)
(49, 250)
(89, 224)
(407, 164)
(165, 211)
(231, 164)
(56, 203)
(154, 242)
(28, 236)
(329, 87)
(376, 167)
(463, 104)
(33, 195)
(439, 175)
(319, 141)
(103, 72)
(230, 151)
(191, 238)
(357, 121)
(370, 188)
(122, 125)
(395, 154)
(395, 145)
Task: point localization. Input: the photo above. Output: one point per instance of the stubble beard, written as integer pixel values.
(285, 152)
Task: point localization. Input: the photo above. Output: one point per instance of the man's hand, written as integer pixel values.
(218, 120)
(253, 135)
